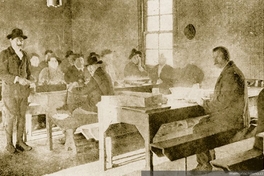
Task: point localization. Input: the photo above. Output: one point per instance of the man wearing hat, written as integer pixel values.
(97, 83)
(15, 74)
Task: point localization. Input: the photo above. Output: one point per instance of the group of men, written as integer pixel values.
(226, 108)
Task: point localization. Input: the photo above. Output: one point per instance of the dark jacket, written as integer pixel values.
(131, 70)
(73, 75)
(189, 75)
(227, 107)
(166, 75)
(99, 85)
(10, 67)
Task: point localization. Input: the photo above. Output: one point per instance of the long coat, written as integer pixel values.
(99, 85)
(10, 67)
(228, 105)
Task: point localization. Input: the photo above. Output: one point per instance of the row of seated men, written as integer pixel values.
(163, 74)
(89, 84)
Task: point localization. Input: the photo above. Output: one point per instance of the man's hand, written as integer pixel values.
(23, 81)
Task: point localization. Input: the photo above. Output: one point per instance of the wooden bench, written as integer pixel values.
(70, 124)
(188, 145)
(252, 158)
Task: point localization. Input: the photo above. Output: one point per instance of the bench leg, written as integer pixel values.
(69, 141)
(108, 148)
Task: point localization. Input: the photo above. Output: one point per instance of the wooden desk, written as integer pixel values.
(46, 103)
(147, 123)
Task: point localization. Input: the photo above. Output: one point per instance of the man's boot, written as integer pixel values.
(9, 136)
(21, 145)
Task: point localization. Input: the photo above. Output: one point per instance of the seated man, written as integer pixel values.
(134, 67)
(227, 107)
(75, 72)
(163, 75)
(187, 74)
(82, 102)
(97, 83)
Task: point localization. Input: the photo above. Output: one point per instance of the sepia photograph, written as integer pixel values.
(131, 87)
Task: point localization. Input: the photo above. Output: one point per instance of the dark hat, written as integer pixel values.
(68, 53)
(134, 52)
(16, 33)
(93, 58)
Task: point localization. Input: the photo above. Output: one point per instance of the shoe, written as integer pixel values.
(62, 140)
(201, 169)
(11, 149)
(23, 147)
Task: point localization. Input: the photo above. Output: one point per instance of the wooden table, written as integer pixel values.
(46, 103)
(147, 122)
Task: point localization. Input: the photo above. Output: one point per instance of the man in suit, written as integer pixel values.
(227, 107)
(98, 83)
(163, 75)
(15, 74)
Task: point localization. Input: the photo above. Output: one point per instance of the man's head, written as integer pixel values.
(47, 54)
(93, 62)
(135, 56)
(34, 60)
(162, 59)
(16, 39)
(53, 61)
(78, 61)
(221, 56)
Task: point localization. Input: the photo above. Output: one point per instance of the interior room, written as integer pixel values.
(134, 123)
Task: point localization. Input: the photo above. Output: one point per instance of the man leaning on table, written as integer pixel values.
(15, 74)
(227, 108)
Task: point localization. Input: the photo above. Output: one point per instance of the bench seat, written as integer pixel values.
(181, 147)
(229, 163)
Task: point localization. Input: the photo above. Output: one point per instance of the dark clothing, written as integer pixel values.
(189, 75)
(166, 75)
(228, 103)
(73, 75)
(10, 67)
(43, 64)
(131, 70)
(226, 109)
(15, 96)
(99, 85)
(35, 72)
(65, 65)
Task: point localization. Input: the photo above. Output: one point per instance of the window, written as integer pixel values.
(159, 31)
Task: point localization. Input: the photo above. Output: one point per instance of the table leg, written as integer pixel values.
(144, 131)
(49, 131)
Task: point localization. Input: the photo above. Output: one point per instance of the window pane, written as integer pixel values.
(165, 41)
(153, 23)
(152, 41)
(151, 57)
(166, 22)
(166, 6)
(153, 7)
(168, 54)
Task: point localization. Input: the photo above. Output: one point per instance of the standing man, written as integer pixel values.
(15, 74)
(227, 108)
